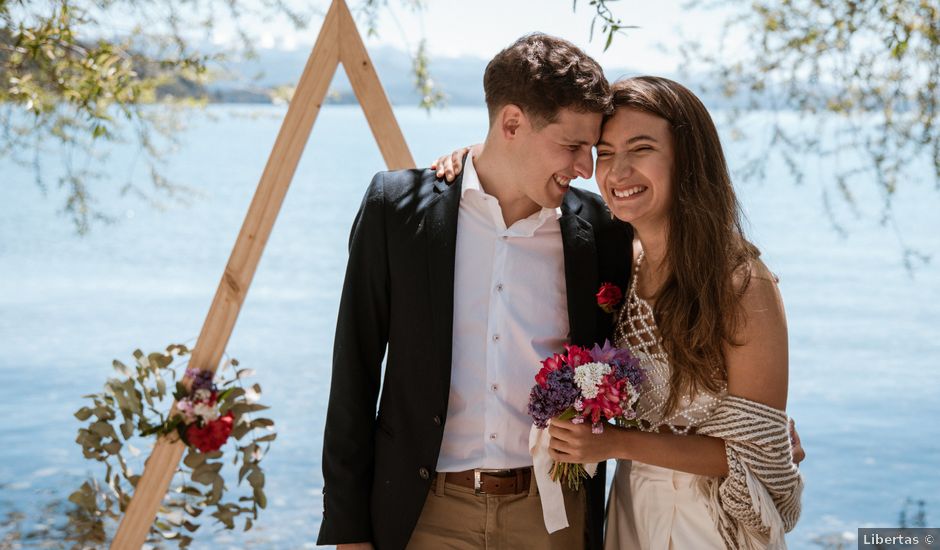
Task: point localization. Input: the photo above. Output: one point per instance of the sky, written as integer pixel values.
(481, 28)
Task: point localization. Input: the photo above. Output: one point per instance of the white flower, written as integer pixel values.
(588, 376)
(202, 395)
(207, 412)
(185, 406)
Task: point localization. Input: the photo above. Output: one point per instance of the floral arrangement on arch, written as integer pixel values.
(212, 416)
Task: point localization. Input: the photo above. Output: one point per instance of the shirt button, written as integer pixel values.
(499, 287)
(492, 436)
(437, 420)
(423, 473)
(504, 237)
(496, 337)
(494, 387)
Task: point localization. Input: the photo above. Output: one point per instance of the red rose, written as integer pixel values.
(212, 436)
(608, 297)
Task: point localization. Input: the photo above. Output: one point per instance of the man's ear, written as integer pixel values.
(511, 120)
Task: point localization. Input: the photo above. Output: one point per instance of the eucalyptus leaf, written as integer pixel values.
(127, 429)
(256, 479)
(240, 429)
(203, 476)
(244, 470)
(190, 490)
(217, 485)
(194, 459)
(269, 437)
(160, 360)
(261, 422)
(102, 428)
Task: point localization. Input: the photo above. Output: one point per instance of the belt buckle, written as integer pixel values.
(478, 482)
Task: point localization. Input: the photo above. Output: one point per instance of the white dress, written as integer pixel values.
(654, 508)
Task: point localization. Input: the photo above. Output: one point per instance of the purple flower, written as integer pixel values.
(624, 364)
(632, 372)
(558, 394)
(202, 379)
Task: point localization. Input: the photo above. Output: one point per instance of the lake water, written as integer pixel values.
(863, 330)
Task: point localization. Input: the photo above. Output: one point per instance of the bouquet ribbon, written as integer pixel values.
(550, 493)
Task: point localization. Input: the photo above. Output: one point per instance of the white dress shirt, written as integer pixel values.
(510, 312)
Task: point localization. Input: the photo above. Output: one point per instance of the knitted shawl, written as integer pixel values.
(759, 500)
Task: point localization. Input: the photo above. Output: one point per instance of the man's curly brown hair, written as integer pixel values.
(541, 74)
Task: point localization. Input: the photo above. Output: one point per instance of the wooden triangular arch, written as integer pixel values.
(338, 42)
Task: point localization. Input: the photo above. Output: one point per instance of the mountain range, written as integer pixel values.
(258, 80)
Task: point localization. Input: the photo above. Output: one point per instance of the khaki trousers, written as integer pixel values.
(455, 518)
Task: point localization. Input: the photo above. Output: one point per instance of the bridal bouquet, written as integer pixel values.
(597, 385)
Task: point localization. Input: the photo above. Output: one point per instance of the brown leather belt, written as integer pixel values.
(493, 482)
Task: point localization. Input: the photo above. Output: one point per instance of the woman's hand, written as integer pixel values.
(450, 166)
(576, 444)
(798, 452)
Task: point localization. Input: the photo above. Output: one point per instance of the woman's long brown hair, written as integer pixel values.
(708, 259)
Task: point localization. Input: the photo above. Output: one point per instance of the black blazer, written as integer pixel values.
(399, 294)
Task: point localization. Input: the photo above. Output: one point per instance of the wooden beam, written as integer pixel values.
(338, 40)
(371, 96)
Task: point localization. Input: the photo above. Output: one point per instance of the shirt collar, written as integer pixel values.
(471, 182)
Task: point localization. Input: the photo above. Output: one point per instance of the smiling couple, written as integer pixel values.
(465, 277)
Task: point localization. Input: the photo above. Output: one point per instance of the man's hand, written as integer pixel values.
(355, 546)
(798, 453)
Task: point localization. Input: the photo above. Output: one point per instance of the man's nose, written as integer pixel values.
(584, 164)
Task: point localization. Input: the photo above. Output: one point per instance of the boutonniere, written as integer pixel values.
(609, 297)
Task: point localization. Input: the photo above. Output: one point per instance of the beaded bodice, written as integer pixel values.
(636, 330)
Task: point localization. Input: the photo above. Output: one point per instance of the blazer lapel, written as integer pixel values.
(439, 227)
(580, 271)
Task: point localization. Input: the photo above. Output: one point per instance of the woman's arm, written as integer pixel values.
(695, 454)
(757, 371)
(449, 166)
(758, 368)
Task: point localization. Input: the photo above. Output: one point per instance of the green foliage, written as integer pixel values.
(610, 25)
(862, 74)
(431, 96)
(72, 85)
(131, 406)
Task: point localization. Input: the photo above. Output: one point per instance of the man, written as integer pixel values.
(469, 286)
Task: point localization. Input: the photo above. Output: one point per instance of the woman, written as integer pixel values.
(711, 465)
